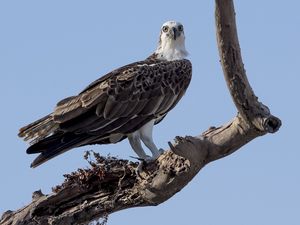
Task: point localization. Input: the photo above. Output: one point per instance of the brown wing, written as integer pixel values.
(126, 99)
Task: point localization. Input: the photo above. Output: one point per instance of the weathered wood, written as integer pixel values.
(112, 184)
(253, 111)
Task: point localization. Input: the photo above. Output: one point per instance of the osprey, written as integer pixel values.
(125, 103)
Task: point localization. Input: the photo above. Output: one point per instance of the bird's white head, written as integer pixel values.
(171, 44)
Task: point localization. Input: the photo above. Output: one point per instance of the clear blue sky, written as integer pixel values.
(51, 50)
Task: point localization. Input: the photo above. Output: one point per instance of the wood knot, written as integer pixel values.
(272, 124)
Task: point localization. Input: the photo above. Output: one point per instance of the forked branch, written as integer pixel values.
(111, 184)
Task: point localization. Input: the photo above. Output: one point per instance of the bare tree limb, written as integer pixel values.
(111, 184)
(254, 112)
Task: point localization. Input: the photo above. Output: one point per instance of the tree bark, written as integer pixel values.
(112, 184)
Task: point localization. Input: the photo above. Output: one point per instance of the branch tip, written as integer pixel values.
(272, 124)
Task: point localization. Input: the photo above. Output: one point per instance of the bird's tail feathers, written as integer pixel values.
(53, 146)
(38, 130)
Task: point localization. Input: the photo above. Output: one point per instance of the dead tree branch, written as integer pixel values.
(252, 111)
(111, 184)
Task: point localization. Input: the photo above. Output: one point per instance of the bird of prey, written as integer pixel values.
(125, 103)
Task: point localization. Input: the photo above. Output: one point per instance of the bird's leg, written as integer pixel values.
(146, 137)
(135, 142)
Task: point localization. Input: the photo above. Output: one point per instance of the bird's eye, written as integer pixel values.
(180, 28)
(165, 29)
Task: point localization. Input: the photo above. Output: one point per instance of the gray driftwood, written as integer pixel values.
(112, 184)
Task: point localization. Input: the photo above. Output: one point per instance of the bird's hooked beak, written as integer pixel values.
(175, 33)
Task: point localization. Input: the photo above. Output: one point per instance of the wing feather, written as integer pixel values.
(67, 109)
(138, 89)
(111, 108)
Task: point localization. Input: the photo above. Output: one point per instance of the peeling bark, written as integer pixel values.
(112, 184)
